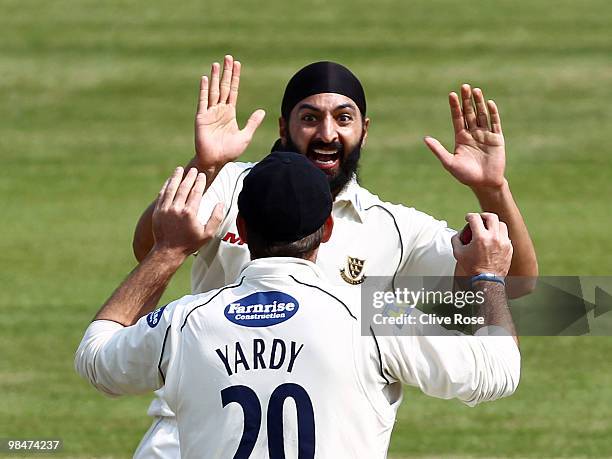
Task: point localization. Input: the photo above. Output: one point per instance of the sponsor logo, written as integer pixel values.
(232, 238)
(262, 309)
(352, 273)
(154, 317)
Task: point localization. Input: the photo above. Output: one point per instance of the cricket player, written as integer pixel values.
(231, 358)
(323, 116)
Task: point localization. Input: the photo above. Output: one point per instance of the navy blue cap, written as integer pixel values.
(285, 197)
(321, 77)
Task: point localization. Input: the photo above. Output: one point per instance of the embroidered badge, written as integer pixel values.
(353, 271)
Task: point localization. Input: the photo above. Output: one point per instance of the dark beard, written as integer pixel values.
(349, 166)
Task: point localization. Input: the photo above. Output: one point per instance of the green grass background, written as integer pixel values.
(96, 107)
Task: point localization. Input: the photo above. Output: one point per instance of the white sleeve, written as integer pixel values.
(428, 250)
(224, 189)
(473, 369)
(120, 360)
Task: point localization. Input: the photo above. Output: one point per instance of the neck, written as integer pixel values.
(312, 256)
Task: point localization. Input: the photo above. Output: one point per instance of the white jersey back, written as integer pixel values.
(271, 365)
(277, 362)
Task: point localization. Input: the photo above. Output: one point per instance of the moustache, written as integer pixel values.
(320, 145)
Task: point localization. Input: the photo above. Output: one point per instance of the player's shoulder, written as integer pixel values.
(370, 201)
(209, 297)
(229, 180)
(346, 298)
(409, 221)
(179, 309)
(236, 169)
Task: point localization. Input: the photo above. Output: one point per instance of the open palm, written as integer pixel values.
(479, 157)
(218, 139)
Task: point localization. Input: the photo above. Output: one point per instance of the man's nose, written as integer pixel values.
(327, 130)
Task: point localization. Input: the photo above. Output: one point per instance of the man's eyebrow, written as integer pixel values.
(343, 106)
(309, 107)
(317, 109)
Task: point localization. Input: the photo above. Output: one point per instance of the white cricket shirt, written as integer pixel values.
(385, 239)
(276, 362)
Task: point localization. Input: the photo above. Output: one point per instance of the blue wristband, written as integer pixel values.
(490, 277)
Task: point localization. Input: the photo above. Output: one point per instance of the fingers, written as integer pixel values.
(253, 123)
(196, 193)
(235, 84)
(457, 244)
(484, 110)
(487, 222)
(468, 108)
(503, 230)
(476, 225)
(212, 226)
(481, 109)
(203, 97)
(171, 187)
(213, 92)
(221, 88)
(491, 222)
(224, 87)
(495, 118)
(160, 195)
(184, 188)
(445, 157)
(456, 115)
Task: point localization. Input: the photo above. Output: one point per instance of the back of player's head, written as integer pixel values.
(322, 77)
(285, 201)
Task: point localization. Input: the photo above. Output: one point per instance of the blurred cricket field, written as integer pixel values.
(97, 100)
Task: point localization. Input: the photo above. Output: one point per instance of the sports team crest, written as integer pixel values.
(353, 272)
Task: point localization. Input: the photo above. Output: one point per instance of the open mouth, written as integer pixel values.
(324, 159)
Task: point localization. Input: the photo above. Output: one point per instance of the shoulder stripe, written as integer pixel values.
(326, 292)
(161, 356)
(399, 235)
(210, 299)
(382, 373)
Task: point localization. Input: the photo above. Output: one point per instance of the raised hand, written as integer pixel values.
(479, 158)
(176, 227)
(218, 140)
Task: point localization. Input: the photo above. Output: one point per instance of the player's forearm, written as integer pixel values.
(143, 234)
(524, 261)
(497, 368)
(140, 292)
(494, 309)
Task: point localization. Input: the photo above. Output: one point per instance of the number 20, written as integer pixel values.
(247, 399)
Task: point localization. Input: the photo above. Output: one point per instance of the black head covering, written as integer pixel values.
(321, 77)
(285, 197)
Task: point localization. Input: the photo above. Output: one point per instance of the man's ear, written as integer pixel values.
(366, 125)
(242, 232)
(282, 130)
(328, 227)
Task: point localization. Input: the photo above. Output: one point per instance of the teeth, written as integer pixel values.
(326, 152)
